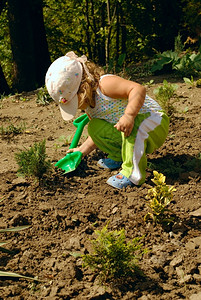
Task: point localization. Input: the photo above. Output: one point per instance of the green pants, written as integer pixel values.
(149, 133)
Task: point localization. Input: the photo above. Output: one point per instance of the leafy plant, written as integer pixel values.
(163, 59)
(190, 81)
(164, 94)
(185, 64)
(33, 162)
(43, 98)
(113, 259)
(189, 64)
(159, 197)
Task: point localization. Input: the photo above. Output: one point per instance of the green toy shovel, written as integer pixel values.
(70, 162)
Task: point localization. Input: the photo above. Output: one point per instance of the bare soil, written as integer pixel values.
(64, 211)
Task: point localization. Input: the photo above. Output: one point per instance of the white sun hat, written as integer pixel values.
(63, 80)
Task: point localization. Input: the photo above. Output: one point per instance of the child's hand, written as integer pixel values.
(73, 150)
(85, 148)
(125, 124)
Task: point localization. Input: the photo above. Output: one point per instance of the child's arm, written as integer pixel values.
(87, 147)
(117, 87)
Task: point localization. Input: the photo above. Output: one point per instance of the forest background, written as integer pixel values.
(112, 33)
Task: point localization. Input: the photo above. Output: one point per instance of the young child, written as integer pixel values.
(124, 122)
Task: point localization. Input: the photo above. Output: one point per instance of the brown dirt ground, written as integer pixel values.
(64, 212)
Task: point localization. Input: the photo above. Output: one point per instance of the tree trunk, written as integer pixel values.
(123, 30)
(117, 32)
(88, 29)
(101, 41)
(4, 88)
(41, 53)
(109, 31)
(28, 43)
(94, 54)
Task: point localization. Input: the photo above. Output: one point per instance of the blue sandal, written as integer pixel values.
(119, 181)
(108, 163)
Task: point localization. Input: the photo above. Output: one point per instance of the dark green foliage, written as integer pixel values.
(33, 162)
(113, 259)
(103, 30)
(191, 19)
(5, 50)
(193, 164)
(185, 64)
(116, 67)
(163, 59)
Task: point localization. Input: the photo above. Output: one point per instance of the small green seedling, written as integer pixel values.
(43, 98)
(65, 140)
(113, 259)
(190, 81)
(33, 162)
(185, 109)
(164, 94)
(24, 99)
(149, 83)
(159, 197)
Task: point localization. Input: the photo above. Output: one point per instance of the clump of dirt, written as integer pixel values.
(64, 211)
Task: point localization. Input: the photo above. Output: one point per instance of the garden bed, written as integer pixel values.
(64, 211)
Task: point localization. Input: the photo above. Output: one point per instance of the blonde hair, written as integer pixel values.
(88, 85)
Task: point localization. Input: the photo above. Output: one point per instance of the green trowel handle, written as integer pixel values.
(80, 122)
